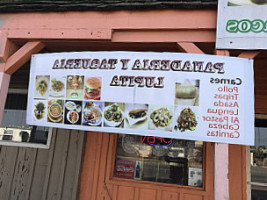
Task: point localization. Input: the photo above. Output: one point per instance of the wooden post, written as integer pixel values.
(221, 161)
(221, 155)
(4, 84)
(11, 60)
(221, 169)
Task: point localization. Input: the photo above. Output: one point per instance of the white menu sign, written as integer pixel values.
(171, 95)
(242, 24)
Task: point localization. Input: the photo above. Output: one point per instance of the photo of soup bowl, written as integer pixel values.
(55, 110)
(73, 117)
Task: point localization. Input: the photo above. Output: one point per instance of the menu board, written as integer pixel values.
(170, 95)
(242, 24)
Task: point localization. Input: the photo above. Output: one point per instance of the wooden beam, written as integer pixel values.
(71, 34)
(7, 47)
(2, 67)
(222, 52)
(189, 47)
(163, 35)
(21, 56)
(4, 84)
(249, 54)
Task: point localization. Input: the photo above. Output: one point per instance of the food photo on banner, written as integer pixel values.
(170, 95)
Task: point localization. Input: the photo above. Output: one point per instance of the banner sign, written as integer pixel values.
(242, 24)
(169, 95)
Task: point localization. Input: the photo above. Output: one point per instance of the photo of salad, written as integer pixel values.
(160, 118)
(186, 120)
(41, 86)
(113, 115)
(57, 86)
(39, 110)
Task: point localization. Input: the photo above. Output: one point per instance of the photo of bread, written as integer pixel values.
(187, 92)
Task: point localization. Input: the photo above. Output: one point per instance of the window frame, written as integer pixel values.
(25, 144)
(207, 181)
(31, 145)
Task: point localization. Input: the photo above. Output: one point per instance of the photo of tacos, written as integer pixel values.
(160, 117)
(113, 114)
(41, 86)
(136, 116)
(75, 87)
(186, 120)
(92, 88)
(55, 111)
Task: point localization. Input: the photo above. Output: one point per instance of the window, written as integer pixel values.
(159, 160)
(259, 162)
(15, 132)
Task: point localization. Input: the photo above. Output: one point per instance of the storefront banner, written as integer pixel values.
(242, 24)
(170, 95)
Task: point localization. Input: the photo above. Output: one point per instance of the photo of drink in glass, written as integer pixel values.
(75, 87)
(187, 92)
